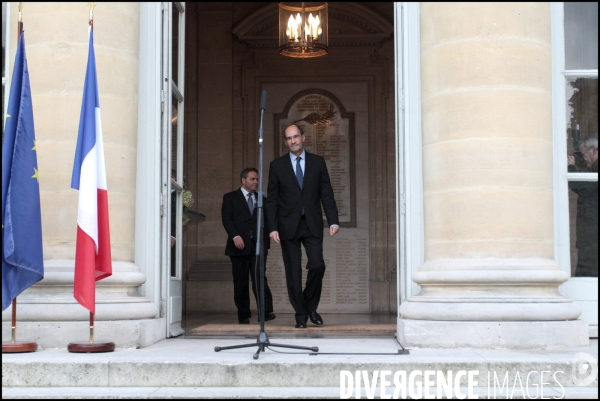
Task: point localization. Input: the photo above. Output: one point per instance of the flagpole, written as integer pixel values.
(91, 6)
(14, 303)
(15, 346)
(91, 346)
(14, 322)
(20, 21)
(91, 328)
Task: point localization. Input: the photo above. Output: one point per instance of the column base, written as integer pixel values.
(506, 335)
(508, 309)
(70, 310)
(124, 333)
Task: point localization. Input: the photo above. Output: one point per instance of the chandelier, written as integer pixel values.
(303, 30)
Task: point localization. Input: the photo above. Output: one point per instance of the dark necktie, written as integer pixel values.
(299, 175)
(250, 204)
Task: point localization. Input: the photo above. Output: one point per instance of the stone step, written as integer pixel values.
(194, 363)
(266, 392)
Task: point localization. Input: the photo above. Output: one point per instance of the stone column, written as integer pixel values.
(57, 49)
(489, 278)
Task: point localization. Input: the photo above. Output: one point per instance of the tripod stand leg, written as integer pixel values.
(217, 349)
(313, 349)
(261, 347)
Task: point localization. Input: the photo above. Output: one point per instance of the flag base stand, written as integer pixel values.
(19, 346)
(15, 346)
(86, 347)
(91, 345)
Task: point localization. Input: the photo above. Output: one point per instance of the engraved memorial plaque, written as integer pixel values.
(329, 132)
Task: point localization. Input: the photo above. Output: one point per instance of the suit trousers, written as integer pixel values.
(305, 301)
(242, 267)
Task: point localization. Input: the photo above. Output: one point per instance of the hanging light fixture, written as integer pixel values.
(303, 29)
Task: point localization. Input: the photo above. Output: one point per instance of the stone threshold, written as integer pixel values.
(329, 329)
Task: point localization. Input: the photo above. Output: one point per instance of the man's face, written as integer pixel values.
(294, 140)
(589, 154)
(250, 183)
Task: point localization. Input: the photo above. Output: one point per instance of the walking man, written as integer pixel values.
(298, 184)
(239, 216)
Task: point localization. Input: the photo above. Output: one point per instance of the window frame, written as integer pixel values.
(562, 177)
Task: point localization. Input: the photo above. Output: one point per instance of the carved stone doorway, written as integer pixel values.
(231, 56)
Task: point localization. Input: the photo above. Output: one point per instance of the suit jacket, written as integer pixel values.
(286, 200)
(238, 221)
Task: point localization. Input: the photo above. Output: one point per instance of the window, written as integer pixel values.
(575, 122)
(581, 131)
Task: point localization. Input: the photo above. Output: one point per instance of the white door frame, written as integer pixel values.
(409, 193)
(153, 181)
(410, 239)
(172, 93)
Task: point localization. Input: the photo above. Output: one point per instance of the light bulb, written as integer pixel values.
(292, 27)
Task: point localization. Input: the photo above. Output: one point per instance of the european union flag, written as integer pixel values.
(22, 256)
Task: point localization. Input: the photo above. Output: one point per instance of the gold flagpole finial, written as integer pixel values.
(20, 22)
(91, 6)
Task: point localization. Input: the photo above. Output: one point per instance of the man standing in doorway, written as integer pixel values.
(298, 184)
(239, 216)
(587, 210)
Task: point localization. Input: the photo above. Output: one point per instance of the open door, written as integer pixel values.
(172, 94)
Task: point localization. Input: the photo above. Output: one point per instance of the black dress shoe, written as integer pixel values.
(315, 318)
(244, 321)
(300, 325)
(270, 316)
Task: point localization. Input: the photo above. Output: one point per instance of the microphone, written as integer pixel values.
(263, 100)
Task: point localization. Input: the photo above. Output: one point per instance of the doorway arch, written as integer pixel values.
(222, 128)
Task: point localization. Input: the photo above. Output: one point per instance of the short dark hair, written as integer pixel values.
(244, 173)
(293, 125)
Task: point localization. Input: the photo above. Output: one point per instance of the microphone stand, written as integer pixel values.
(263, 340)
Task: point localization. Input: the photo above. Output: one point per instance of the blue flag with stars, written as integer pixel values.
(22, 256)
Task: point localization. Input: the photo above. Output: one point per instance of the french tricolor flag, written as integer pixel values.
(92, 256)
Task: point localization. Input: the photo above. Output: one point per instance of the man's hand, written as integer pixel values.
(333, 230)
(274, 236)
(571, 160)
(239, 242)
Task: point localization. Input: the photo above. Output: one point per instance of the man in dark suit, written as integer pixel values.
(586, 223)
(239, 216)
(298, 184)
